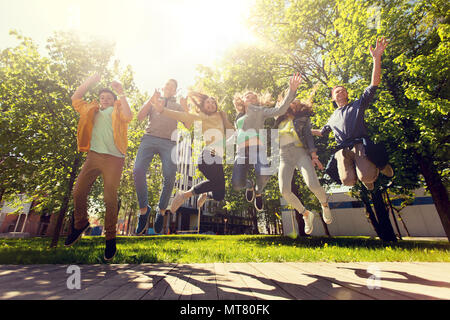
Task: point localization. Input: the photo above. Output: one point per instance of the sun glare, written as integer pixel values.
(159, 39)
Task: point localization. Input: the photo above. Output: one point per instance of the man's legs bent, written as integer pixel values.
(366, 171)
(346, 166)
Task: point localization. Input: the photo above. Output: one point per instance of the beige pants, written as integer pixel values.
(110, 167)
(353, 164)
(292, 157)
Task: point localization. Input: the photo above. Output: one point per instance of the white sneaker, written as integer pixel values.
(309, 222)
(326, 213)
(202, 199)
(177, 202)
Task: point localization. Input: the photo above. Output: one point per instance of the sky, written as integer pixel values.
(160, 39)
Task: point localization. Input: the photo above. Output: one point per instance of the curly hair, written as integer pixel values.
(263, 99)
(199, 100)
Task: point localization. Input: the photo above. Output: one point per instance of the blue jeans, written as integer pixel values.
(151, 145)
(251, 156)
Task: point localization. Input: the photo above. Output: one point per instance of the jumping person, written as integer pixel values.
(102, 133)
(350, 132)
(156, 140)
(297, 149)
(214, 125)
(251, 149)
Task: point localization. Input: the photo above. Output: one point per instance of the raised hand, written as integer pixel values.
(316, 163)
(295, 81)
(95, 78)
(159, 105)
(184, 104)
(156, 97)
(117, 86)
(379, 49)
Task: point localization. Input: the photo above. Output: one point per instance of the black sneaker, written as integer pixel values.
(110, 249)
(159, 221)
(75, 235)
(143, 222)
(259, 205)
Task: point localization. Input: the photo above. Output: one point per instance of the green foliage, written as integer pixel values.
(38, 145)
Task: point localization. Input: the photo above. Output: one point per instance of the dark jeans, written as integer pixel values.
(247, 157)
(213, 172)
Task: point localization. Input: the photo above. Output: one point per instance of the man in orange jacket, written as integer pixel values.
(102, 133)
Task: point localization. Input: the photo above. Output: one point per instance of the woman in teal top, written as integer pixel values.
(251, 148)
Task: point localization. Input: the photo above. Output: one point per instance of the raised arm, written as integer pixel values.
(294, 83)
(376, 55)
(84, 87)
(185, 117)
(125, 110)
(142, 114)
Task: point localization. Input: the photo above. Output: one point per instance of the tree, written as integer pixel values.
(410, 113)
(38, 143)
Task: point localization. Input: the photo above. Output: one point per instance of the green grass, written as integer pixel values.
(203, 249)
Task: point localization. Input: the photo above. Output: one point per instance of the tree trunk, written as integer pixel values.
(403, 222)
(255, 221)
(2, 192)
(437, 190)
(129, 222)
(393, 215)
(379, 216)
(65, 202)
(373, 219)
(124, 219)
(383, 216)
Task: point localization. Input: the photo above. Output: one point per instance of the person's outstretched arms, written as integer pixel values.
(142, 114)
(294, 83)
(183, 116)
(84, 87)
(376, 55)
(125, 111)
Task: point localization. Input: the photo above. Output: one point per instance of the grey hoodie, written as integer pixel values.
(256, 115)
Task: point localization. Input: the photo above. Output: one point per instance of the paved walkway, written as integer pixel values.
(230, 281)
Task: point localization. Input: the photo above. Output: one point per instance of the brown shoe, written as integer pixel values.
(387, 171)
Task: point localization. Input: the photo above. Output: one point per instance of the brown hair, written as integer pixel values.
(174, 82)
(335, 87)
(107, 91)
(199, 101)
(300, 109)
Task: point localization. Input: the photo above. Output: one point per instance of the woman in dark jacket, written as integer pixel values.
(297, 150)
